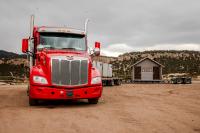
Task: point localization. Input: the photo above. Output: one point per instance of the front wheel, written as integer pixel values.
(93, 101)
(33, 102)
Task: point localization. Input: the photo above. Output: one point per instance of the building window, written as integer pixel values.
(147, 69)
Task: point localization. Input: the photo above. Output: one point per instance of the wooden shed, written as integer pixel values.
(147, 70)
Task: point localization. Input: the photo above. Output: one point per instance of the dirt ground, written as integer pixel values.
(157, 108)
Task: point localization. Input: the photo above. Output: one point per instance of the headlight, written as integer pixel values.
(39, 79)
(96, 80)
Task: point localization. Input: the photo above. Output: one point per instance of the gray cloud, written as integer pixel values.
(135, 23)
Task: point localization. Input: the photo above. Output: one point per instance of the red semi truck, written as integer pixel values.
(60, 65)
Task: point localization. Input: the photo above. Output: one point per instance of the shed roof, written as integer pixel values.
(147, 58)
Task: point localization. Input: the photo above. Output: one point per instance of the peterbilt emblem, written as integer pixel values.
(70, 57)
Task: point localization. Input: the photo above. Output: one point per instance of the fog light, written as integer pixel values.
(96, 80)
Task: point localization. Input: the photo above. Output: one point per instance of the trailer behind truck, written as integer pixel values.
(106, 72)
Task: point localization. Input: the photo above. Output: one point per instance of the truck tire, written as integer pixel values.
(173, 81)
(188, 81)
(119, 82)
(33, 102)
(111, 83)
(179, 81)
(93, 101)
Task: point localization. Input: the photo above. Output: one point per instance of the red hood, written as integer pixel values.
(50, 53)
(43, 62)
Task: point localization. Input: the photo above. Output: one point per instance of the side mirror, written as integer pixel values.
(25, 45)
(97, 48)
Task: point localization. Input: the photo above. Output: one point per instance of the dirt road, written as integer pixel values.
(123, 109)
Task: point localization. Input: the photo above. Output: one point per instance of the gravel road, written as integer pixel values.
(150, 108)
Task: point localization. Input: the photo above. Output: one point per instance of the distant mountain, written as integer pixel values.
(174, 61)
(12, 62)
(10, 55)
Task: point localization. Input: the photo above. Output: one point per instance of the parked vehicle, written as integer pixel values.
(178, 78)
(60, 66)
(106, 73)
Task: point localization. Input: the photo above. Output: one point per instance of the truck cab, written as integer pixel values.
(60, 65)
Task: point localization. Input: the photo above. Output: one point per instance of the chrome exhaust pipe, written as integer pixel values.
(31, 39)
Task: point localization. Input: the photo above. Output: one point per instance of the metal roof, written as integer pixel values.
(147, 58)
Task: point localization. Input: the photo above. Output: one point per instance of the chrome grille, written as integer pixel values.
(69, 72)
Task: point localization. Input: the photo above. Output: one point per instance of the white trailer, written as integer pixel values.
(106, 73)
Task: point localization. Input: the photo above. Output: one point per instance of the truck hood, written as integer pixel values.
(52, 53)
(44, 66)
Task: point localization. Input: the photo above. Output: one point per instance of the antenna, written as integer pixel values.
(86, 25)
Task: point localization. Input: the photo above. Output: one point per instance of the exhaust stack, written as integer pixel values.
(31, 40)
(86, 25)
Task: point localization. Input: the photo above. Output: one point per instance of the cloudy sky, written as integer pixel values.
(120, 25)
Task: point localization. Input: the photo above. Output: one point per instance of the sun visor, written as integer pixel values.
(61, 30)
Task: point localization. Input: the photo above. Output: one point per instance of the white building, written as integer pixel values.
(147, 70)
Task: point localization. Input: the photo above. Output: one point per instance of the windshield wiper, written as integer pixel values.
(69, 48)
(49, 47)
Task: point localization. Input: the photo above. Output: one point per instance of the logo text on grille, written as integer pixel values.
(69, 57)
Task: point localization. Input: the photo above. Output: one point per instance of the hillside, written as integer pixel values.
(10, 55)
(174, 61)
(12, 62)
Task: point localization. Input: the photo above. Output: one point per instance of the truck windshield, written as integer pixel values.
(63, 41)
